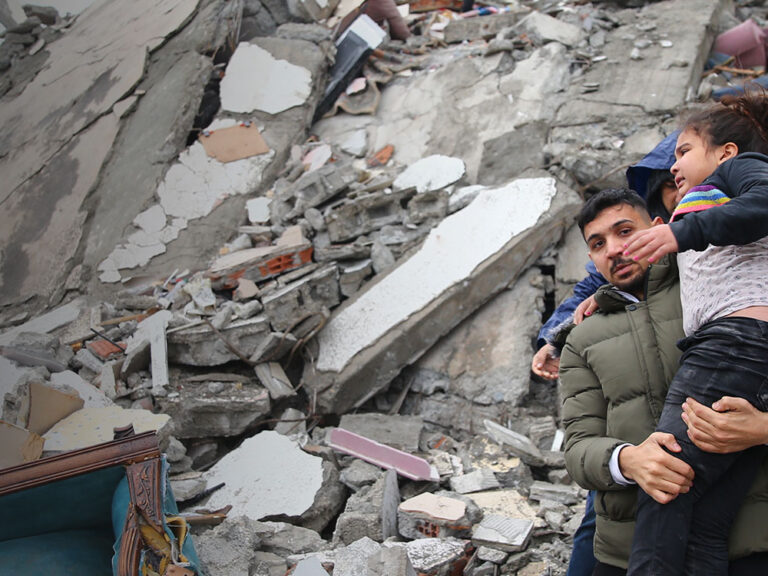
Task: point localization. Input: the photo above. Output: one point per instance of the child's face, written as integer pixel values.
(695, 161)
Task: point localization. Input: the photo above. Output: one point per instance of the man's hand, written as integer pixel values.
(653, 243)
(731, 425)
(658, 473)
(545, 363)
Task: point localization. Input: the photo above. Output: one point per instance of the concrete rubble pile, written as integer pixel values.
(328, 324)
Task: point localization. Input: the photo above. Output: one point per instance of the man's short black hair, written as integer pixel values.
(608, 198)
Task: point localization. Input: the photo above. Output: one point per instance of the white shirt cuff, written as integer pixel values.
(613, 465)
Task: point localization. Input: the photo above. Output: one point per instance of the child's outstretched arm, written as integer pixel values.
(653, 243)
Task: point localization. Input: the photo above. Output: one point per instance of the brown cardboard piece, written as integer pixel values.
(233, 143)
(47, 406)
(18, 445)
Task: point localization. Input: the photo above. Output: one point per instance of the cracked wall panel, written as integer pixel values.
(41, 225)
(81, 82)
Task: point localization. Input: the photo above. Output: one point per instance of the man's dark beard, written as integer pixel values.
(635, 285)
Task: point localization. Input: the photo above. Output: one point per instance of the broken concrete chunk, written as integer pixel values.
(487, 27)
(212, 408)
(488, 554)
(309, 567)
(366, 214)
(258, 210)
(228, 548)
(401, 432)
(503, 533)
(359, 474)
(431, 173)
(549, 29)
(290, 251)
(371, 512)
(152, 329)
(317, 187)
(256, 80)
(92, 396)
(258, 491)
(274, 346)
(390, 324)
(557, 492)
(201, 346)
(390, 561)
(273, 378)
(519, 445)
(387, 457)
(91, 426)
(476, 481)
(438, 555)
(352, 276)
(312, 295)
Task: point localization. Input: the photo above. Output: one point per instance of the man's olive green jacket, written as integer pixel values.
(615, 369)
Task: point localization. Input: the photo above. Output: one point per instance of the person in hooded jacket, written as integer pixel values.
(651, 178)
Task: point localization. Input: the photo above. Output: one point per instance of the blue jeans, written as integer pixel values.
(726, 357)
(582, 556)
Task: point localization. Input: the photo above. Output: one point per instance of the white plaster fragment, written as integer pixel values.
(431, 173)
(151, 220)
(449, 255)
(90, 426)
(258, 210)
(152, 330)
(256, 80)
(268, 474)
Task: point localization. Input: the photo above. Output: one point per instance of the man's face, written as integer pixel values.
(606, 236)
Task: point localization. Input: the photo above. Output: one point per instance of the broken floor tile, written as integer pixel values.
(476, 481)
(257, 490)
(504, 502)
(503, 533)
(256, 80)
(91, 426)
(393, 321)
(431, 173)
(398, 431)
(430, 516)
(387, 457)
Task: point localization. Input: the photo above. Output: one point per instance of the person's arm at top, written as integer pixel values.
(731, 425)
(545, 362)
(742, 220)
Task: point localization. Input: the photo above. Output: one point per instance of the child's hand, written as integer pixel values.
(585, 310)
(653, 244)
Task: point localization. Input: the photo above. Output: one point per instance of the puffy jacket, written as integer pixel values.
(615, 371)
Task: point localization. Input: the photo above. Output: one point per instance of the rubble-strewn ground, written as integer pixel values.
(298, 306)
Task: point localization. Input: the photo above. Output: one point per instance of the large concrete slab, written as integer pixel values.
(471, 256)
(664, 76)
(53, 143)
